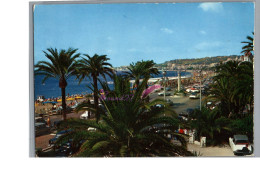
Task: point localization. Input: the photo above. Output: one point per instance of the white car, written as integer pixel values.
(194, 96)
(166, 94)
(188, 90)
(194, 90)
(84, 115)
(240, 145)
(91, 129)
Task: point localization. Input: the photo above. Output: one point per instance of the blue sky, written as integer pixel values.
(132, 32)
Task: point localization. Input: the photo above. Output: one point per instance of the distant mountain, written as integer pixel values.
(197, 61)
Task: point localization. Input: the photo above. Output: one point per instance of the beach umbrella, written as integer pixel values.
(52, 102)
(70, 99)
(149, 90)
(78, 97)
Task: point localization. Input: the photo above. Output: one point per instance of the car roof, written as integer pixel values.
(64, 131)
(240, 137)
(39, 124)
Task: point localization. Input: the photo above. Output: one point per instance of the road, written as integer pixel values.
(180, 103)
(216, 151)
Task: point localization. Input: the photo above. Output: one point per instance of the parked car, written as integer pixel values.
(53, 140)
(188, 90)
(74, 106)
(58, 110)
(168, 89)
(92, 129)
(194, 96)
(84, 115)
(194, 90)
(56, 124)
(158, 106)
(40, 120)
(190, 111)
(240, 145)
(162, 94)
(66, 150)
(182, 118)
(41, 127)
(185, 114)
(170, 102)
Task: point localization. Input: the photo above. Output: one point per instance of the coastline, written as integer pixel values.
(51, 90)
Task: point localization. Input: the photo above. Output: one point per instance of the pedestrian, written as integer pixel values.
(49, 122)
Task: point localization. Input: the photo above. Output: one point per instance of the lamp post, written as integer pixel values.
(200, 76)
(164, 82)
(200, 93)
(180, 70)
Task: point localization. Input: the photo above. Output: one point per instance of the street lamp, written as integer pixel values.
(164, 82)
(200, 76)
(180, 70)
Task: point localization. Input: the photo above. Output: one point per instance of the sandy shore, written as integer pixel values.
(46, 108)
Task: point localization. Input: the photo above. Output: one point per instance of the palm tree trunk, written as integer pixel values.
(63, 95)
(148, 97)
(62, 85)
(96, 97)
(137, 83)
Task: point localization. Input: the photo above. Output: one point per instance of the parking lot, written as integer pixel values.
(180, 103)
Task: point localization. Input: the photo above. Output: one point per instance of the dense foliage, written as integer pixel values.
(233, 94)
(128, 127)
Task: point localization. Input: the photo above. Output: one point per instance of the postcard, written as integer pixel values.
(143, 79)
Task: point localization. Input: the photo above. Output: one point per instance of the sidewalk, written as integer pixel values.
(211, 151)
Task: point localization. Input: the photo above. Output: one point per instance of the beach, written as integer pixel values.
(50, 89)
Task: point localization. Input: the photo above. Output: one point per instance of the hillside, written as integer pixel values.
(196, 61)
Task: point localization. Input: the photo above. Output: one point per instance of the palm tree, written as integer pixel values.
(209, 124)
(128, 127)
(249, 47)
(220, 91)
(233, 87)
(61, 65)
(142, 69)
(244, 87)
(94, 66)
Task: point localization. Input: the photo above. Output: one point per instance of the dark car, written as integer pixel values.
(66, 149)
(59, 110)
(41, 127)
(53, 140)
(158, 106)
(166, 94)
(185, 114)
(189, 111)
(170, 102)
(56, 124)
(182, 118)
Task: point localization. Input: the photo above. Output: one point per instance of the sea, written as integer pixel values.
(50, 88)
